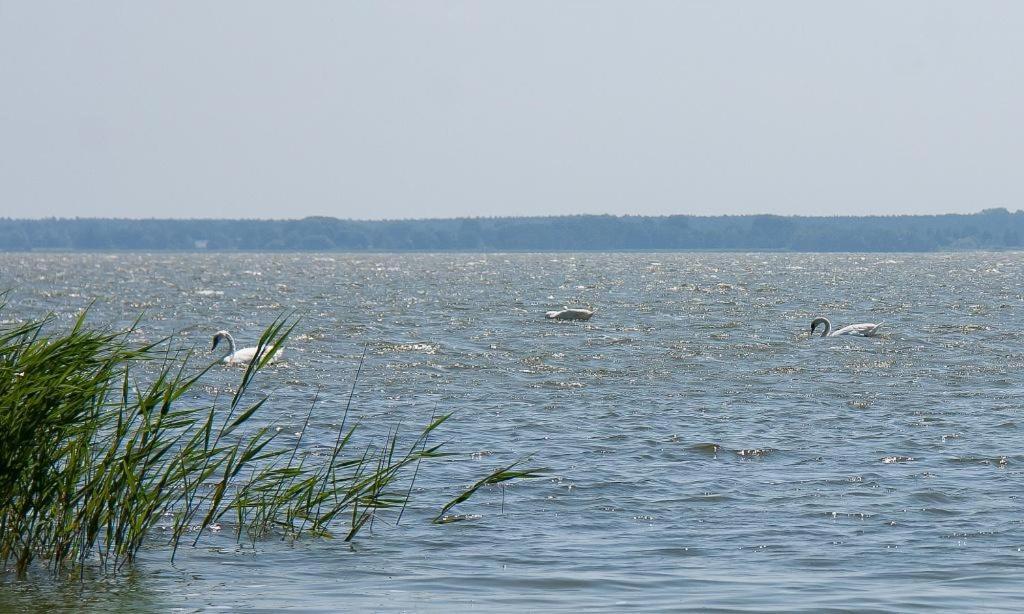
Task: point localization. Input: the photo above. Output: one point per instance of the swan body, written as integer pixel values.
(576, 313)
(867, 329)
(234, 356)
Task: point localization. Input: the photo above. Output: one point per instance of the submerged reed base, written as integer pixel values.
(94, 456)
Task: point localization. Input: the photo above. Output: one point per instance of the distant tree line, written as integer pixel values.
(990, 229)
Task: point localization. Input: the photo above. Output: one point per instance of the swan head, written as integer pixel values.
(221, 335)
(816, 321)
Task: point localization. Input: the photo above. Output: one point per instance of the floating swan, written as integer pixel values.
(576, 313)
(237, 357)
(866, 329)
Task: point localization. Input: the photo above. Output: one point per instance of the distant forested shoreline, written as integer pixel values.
(989, 229)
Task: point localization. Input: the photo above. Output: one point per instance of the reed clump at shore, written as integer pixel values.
(101, 445)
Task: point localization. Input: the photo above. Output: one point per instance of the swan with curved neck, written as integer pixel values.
(234, 356)
(867, 329)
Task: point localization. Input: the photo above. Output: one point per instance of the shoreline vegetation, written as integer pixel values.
(104, 444)
(991, 229)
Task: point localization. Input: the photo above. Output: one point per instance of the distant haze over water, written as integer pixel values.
(990, 229)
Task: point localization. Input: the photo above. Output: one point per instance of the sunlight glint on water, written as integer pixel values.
(705, 452)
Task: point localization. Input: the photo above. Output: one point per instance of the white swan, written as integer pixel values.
(237, 357)
(576, 313)
(866, 329)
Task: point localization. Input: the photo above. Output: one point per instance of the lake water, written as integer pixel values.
(704, 451)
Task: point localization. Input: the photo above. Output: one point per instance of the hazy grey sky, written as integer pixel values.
(427, 109)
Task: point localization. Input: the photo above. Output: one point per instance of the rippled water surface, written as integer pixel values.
(704, 451)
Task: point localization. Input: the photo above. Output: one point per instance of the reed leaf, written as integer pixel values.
(499, 475)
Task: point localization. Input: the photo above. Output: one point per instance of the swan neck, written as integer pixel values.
(231, 343)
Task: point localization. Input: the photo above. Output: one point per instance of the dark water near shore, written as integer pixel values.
(705, 452)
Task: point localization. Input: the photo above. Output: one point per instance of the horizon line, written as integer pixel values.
(986, 211)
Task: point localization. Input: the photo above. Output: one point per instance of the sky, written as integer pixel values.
(415, 109)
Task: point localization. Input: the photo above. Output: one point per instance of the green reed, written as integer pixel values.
(93, 456)
(498, 476)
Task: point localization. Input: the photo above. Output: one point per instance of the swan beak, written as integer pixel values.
(214, 346)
